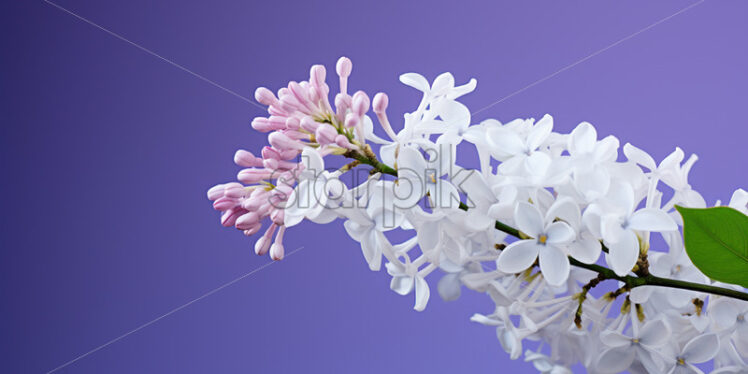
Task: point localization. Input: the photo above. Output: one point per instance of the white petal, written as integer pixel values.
(651, 219)
(518, 256)
(673, 159)
(422, 294)
(528, 219)
(622, 195)
(454, 113)
(615, 360)
(638, 156)
(554, 264)
(475, 135)
(411, 159)
(566, 209)
(611, 228)
(476, 187)
(623, 254)
(654, 333)
(614, 339)
(701, 348)
(416, 81)
(431, 127)
(312, 160)
(443, 83)
(401, 284)
(512, 165)
(371, 249)
(449, 287)
(607, 149)
(444, 195)
(409, 189)
(582, 139)
(560, 233)
(324, 216)
(640, 295)
(505, 141)
(294, 214)
(428, 236)
(462, 90)
(586, 249)
(484, 320)
(592, 184)
(369, 132)
(537, 164)
(539, 132)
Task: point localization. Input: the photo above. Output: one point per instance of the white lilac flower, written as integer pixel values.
(620, 222)
(547, 244)
(564, 197)
(700, 349)
(643, 344)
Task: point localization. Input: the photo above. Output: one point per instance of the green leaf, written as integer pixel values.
(716, 240)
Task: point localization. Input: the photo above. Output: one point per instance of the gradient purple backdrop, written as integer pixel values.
(106, 153)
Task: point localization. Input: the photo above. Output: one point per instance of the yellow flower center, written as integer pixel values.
(542, 239)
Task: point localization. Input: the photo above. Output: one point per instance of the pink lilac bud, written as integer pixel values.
(351, 120)
(380, 102)
(282, 191)
(290, 103)
(361, 103)
(278, 165)
(270, 164)
(277, 216)
(247, 221)
(224, 203)
(234, 190)
(261, 124)
(343, 68)
(380, 108)
(270, 152)
(252, 176)
(277, 250)
(256, 200)
(325, 134)
(277, 199)
(277, 122)
(246, 159)
(265, 96)
(317, 75)
(216, 192)
(343, 142)
(253, 230)
(277, 110)
(282, 142)
(301, 95)
(342, 103)
(263, 244)
(289, 154)
(229, 217)
(309, 124)
(295, 135)
(292, 123)
(314, 95)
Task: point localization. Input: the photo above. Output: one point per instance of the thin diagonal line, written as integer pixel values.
(168, 314)
(154, 54)
(567, 67)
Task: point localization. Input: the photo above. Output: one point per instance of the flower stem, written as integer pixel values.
(366, 156)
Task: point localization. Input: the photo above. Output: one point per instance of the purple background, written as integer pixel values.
(106, 153)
